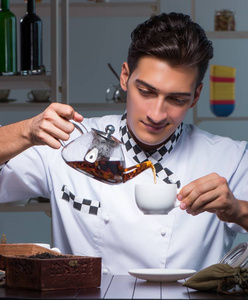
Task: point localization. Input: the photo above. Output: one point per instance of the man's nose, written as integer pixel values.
(158, 110)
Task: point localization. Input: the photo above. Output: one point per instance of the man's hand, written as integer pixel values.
(53, 125)
(210, 193)
(45, 129)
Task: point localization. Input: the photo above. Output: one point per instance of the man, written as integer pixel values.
(167, 60)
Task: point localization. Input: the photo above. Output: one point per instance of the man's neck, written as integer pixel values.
(145, 147)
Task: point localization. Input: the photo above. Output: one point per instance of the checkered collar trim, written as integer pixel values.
(137, 153)
(155, 156)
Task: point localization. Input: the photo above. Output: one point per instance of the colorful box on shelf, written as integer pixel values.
(222, 90)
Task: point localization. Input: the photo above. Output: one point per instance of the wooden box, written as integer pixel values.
(21, 249)
(70, 272)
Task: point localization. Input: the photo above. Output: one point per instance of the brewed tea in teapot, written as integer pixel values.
(99, 155)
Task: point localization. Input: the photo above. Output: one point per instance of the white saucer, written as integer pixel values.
(161, 275)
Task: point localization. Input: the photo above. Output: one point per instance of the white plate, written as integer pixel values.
(161, 275)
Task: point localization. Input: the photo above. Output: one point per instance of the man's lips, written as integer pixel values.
(155, 127)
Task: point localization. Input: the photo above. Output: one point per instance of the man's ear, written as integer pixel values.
(197, 95)
(124, 76)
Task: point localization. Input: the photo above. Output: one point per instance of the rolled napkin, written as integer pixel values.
(222, 90)
(220, 278)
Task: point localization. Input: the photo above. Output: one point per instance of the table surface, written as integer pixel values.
(120, 287)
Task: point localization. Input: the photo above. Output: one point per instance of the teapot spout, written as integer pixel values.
(133, 171)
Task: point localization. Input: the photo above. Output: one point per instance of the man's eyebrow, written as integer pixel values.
(146, 84)
(181, 94)
(155, 89)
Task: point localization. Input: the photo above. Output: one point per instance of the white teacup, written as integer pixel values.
(39, 95)
(156, 199)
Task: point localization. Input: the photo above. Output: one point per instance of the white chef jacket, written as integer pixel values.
(120, 233)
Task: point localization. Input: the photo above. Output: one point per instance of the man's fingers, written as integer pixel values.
(198, 192)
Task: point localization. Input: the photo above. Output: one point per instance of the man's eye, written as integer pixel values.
(178, 101)
(145, 92)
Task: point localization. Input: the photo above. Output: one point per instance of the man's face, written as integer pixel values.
(158, 99)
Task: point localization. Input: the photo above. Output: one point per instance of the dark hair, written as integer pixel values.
(174, 38)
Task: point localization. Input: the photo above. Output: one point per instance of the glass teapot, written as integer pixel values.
(99, 155)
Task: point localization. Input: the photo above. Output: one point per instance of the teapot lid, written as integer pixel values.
(109, 130)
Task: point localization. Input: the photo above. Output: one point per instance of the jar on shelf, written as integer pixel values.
(224, 20)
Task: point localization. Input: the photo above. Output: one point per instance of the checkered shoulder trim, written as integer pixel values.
(87, 206)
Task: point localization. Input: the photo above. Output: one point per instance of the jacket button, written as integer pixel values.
(106, 218)
(163, 232)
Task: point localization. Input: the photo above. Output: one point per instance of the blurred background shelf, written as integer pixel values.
(217, 35)
(198, 120)
(59, 12)
(27, 106)
(113, 9)
(39, 81)
(227, 34)
(25, 82)
(96, 9)
(29, 207)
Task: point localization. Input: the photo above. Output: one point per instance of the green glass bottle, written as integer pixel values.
(8, 40)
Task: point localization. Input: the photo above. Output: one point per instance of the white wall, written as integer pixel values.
(21, 227)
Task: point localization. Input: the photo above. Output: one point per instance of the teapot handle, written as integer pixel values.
(78, 128)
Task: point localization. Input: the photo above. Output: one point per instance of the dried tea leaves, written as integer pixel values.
(47, 255)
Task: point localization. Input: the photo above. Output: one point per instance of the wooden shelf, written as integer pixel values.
(227, 34)
(113, 9)
(99, 106)
(198, 120)
(25, 82)
(92, 9)
(29, 207)
(23, 106)
(27, 106)
(19, 9)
